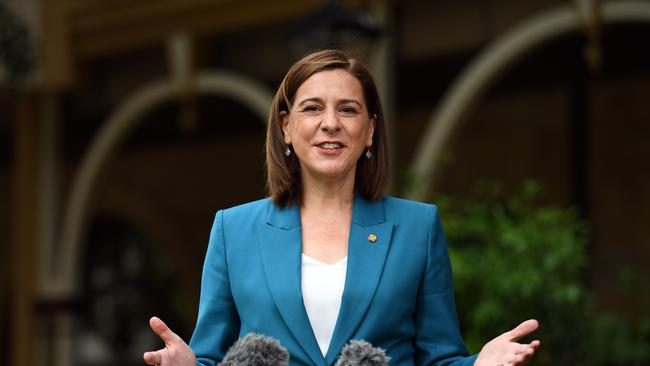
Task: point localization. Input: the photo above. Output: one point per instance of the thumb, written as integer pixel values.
(523, 329)
(162, 330)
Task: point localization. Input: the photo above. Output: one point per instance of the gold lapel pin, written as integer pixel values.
(372, 238)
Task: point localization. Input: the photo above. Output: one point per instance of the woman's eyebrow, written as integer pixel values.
(313, 99)
(319, 100)
(345, 101)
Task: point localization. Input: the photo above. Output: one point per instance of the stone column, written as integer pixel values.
(25, 231)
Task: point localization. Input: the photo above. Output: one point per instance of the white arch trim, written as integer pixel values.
(59, 279)
(481, 73)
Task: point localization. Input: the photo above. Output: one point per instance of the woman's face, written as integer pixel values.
(328, 125)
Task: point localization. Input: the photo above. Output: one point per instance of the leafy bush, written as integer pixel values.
(514, 259)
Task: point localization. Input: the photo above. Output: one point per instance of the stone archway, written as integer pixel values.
(482, 72)
(62, 279)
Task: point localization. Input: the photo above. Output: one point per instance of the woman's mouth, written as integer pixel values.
(330, 148)
(330, 145)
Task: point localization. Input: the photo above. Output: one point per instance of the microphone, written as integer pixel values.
(362, 353)
(256, 350)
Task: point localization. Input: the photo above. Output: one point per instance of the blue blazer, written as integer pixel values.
(398, 292)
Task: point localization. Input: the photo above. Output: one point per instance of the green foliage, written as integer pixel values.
(619, 341)
(514, 259)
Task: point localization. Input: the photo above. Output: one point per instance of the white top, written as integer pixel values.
(322, 288)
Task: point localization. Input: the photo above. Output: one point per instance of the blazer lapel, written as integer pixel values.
(280, 242)
(370, 237)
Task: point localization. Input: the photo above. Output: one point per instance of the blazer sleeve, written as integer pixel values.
(217, 325)
(438, 341)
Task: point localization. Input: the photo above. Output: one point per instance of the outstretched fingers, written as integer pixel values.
(523, 329)
(176, 351)
(505, 350)
(153, 358)
(162, 330)
(523, 354)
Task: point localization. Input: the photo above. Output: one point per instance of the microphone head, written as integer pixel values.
(362, 353)
(256, 350)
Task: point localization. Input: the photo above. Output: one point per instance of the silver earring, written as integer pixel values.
(368, 153)
(287, 152)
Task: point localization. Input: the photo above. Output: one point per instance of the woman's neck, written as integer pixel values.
(327, 196)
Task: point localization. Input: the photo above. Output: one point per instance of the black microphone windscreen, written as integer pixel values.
(256, 350)
(362, 353)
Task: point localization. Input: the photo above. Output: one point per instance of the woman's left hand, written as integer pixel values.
(504, 349)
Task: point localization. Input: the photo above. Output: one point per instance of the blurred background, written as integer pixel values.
(125, 125)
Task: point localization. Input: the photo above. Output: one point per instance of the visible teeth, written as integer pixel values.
(330, 145)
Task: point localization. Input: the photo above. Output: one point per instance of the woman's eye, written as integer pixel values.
(311, 108)
(348, 110)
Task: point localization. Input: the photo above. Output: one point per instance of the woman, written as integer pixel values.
(327, 258)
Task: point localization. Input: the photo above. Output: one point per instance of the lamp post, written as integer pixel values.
(334, 26)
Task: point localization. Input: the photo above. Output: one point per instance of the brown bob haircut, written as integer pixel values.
(283, 172)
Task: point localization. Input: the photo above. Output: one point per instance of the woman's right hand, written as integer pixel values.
(176, 351)
(504, 349)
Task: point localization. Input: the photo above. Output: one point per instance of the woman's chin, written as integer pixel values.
(331, 172)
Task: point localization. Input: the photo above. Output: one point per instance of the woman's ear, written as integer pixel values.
(284, 118)
(371, 129)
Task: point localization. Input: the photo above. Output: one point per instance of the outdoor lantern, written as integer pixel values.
(336, 27)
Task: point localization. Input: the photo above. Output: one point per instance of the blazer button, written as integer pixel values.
(372, 238)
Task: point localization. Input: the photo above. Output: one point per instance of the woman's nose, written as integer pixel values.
(330, 122)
